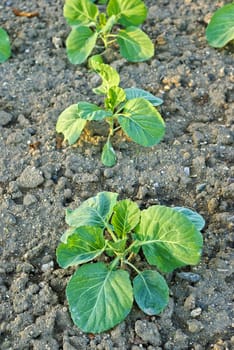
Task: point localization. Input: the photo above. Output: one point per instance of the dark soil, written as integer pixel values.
(40, 176)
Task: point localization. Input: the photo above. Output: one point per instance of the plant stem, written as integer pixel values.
(132, 266)
(111, 232)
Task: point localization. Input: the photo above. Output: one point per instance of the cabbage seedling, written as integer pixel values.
(105, 236)
(131, 109)
(120, 24)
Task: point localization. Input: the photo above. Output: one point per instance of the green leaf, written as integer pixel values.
(142, 122)
(82, 246)
(108, 25)
(67, 233)
(193, 216)
(126, 216)
(115, 96)
(70, 124)
(95, 211)
(90, 111)
(94, 59)
(5, 48)
(150, 292)
(108, 155)
(118, 246)
(99, 298)
(135, 92)
(220, 30)
(80, 12)
(135, 45)
(109, 76)
(72, 120)
(80, 43)
(128, 12)
(168, 238)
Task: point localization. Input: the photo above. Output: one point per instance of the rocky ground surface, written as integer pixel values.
(40, 176)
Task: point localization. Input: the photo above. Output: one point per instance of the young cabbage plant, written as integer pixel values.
(105, 236)
(131, 109)
(220, 30)
(5, 48)
(94, 29)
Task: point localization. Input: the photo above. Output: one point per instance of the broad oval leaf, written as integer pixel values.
(70, 124)
(5, 48)
(128, 12)
(193, 216)
(168, 238)
(108, 157)
(95, 211)
(135, 92)
(220, 29)
(150, 292)
(135, 45)
(90, 111)
(142, 122)
(80, 12)
(99, 298)
(109, 75)
(80, 43)
(126, 216)
(82, 246)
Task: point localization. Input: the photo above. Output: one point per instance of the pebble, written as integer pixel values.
(48, 266)
(194, 326)
(196, 312)
(5, 118)
(29, 199)
(31, 177)
(148, 331)
(189, 276)
(190, 302)
(200, 187)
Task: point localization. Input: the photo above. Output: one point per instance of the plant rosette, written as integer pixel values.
(119, 24)
(101, 294)
(132, 109)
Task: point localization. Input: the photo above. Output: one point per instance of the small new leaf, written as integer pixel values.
(126, 216)
(108, 155)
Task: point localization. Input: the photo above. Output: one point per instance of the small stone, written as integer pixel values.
(67, 193)
(148, 331)
(196, 312)
(31, 177)
(213, 205)
(200, 187)
(48, 266)
(29, 199)
(5, 118)
(189, 276)
(194, 326)
(108, 173)
(190, 302)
